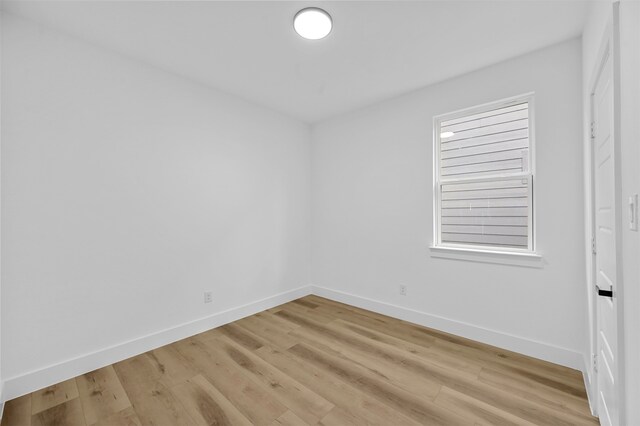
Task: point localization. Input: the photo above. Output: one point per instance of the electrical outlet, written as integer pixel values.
(208, 297)
(403, 290)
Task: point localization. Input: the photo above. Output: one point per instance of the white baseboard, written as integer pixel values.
(544, 351)
(34, 380)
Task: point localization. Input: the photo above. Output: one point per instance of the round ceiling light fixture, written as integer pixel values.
(312, 23)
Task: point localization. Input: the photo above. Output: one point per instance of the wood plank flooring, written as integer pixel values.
(315, 362)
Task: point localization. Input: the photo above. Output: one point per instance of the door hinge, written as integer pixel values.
(595, 363)
(593, 130)
(593, 245)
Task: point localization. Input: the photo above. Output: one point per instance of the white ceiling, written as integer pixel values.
(376, 50)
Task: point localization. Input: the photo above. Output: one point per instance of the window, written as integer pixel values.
(484, 177)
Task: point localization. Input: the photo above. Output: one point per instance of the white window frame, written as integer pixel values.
(440, 249)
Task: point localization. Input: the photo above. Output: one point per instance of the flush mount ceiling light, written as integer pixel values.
(312, 23)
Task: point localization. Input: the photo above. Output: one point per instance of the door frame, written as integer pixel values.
(609, 50)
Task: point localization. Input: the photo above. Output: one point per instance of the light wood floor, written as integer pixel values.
(315, 361)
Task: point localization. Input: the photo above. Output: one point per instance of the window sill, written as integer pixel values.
(530, 260)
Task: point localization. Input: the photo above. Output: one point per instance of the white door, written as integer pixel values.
(605, 235)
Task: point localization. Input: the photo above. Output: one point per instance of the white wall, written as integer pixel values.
(630, 137)
(128, 192)
(630, 147)
(372, 208)
(1, 380)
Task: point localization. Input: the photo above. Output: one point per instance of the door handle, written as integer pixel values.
(605, 293)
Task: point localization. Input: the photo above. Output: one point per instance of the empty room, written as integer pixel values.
(334, 213)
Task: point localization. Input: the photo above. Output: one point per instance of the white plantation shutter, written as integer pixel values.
(483, 177)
